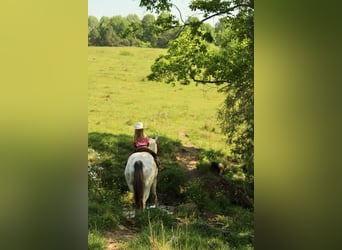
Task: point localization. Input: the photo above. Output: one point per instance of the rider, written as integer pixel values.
(141, 142)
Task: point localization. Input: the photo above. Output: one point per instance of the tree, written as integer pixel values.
(106, 32)
(148, 30)
(133, 31)
(119, 24)
(225, 59)
(166, 29)
(93, 33)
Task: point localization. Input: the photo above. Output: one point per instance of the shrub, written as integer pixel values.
(195, 193)
(203, 168)
(104, 206)
(211, 156)
(170, 180)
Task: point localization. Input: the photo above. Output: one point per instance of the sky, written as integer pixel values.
(109, 8)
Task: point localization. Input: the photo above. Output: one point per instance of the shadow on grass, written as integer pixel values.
(115, 150)
(120, 147)
(172, 180)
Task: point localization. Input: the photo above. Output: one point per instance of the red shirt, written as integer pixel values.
(143, 143)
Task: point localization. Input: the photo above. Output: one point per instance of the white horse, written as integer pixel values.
(141, 175)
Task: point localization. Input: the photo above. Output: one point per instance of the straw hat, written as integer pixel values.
(139, 125)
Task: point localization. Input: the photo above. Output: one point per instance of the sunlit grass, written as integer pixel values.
(96, 241)
(119, 95)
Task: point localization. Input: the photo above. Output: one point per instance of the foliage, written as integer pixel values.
(211, 155)
(93, 31)
(208, 194)
(130, 31)
(243, 182)
(103, 213)
(225, 58)
(170, 182)
(94, 169)
(186, 59)
(195, 193)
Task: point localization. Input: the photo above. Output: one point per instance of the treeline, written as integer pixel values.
(131, 31)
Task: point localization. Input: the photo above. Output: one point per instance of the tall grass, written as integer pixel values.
(120, 95)
(162, 231)
(95, 241)
(186, 236)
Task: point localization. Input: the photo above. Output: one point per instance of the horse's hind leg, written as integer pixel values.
(146, 196)
(154, 191)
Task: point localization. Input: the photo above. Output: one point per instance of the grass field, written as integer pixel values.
(119, 95)
(183, 117)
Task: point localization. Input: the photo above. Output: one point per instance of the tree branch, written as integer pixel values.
(226, 11)
(207, 18)
(180, 13)
(207, 81)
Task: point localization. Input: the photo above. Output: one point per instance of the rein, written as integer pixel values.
(145, 149)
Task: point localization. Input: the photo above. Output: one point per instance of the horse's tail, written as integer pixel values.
(138, 184)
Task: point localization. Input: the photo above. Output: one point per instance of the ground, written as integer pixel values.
(119, 238)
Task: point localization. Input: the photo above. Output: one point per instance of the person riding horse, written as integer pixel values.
(141, 142)
(141, 169)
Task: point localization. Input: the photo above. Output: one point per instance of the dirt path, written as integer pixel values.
(188, 156)
(119, 238)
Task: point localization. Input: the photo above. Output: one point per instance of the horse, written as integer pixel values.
(141, 175)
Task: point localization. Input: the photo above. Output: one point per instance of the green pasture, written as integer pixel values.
(120, 95)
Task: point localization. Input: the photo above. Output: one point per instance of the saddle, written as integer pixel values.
(154, 155)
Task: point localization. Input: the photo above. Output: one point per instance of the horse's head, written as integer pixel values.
(153, 144)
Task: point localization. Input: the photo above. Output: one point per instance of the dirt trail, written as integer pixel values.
(119, 238)
(188, 156)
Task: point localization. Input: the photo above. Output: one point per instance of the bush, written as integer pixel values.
(103, 211)
(211, 156)
(170, 180)
(203, 168)
(195, 193)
